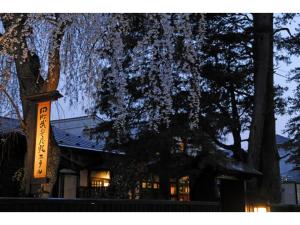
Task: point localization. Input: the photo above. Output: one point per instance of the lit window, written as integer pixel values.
(184, 188)
(181, 146)
(144, 185)
(173, 189)
(155, 185)
(151, 183)
(100, 178)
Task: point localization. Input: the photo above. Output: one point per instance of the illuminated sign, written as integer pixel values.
(42, 139)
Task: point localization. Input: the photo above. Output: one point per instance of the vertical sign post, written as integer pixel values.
(42, 139)
(43, 101)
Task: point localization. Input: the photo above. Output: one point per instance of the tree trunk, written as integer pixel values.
(263, 154)
(238, 153)
(29, 87)
(31, 82)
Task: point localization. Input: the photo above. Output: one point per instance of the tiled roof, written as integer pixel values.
(64, 139)
(240, 167)
(292, 175)
(281, 139)
(77, 126)
(8, 125)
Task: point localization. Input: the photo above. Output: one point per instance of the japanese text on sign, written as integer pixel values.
(42, 139)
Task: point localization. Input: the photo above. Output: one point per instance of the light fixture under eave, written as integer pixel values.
(259, 208)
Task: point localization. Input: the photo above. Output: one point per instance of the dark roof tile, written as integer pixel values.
(64, 139)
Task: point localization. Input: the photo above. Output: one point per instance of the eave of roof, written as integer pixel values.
(62, 138)
(76, 118)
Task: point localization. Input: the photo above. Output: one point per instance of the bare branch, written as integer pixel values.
(284, 156)
(14, 106)
(283, 29)
(248, 18)
(54, 57)
(222, 145)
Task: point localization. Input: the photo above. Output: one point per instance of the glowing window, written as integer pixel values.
(181, 146)
(151, 183)
(184, 188)
(100, 178)
(173, 189)
(155, 185)
(144, 185)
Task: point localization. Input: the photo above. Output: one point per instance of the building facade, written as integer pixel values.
(88, 170)
(290, 176)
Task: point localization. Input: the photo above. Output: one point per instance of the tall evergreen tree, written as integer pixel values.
(227, 99)
(263, 154)
(288, 41)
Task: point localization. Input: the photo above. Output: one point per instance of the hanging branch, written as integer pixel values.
(23, 125)
(54, 56)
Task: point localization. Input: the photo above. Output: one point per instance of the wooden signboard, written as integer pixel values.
(42, 139)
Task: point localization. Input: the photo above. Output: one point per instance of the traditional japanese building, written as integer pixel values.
(79, 156)
(85, 169)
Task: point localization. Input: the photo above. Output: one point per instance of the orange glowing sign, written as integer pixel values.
(42, 139)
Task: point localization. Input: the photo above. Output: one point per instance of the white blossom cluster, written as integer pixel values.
(93, 45)
(27, 34)
(11, 38)
(192, 45)
(155, 61)
(92, 56)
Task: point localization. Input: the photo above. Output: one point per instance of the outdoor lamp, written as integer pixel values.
(261, 208)
(258, 207)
